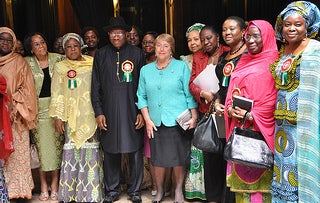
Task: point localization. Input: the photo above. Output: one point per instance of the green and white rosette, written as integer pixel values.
(227, 70)
(284, 71)
(72, 80)
(127, 68)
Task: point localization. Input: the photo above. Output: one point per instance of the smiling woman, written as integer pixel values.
(168, 78)
(23, 115)
(253, 184)
(48, 142)
(296, 73)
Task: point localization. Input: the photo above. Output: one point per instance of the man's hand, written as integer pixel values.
(101, 122)
(139, 122)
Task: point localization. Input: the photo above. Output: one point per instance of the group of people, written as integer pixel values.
(278, 70)
(86, 106)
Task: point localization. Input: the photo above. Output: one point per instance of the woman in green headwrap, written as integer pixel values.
(194, 184)
(194, 42)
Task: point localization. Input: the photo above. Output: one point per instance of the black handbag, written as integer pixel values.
(248, 147)
(205, 135)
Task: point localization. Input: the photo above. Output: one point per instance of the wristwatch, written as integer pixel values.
(249, 116)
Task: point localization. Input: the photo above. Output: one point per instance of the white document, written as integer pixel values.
(207, 79)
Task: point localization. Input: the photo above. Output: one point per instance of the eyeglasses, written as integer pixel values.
(9, 41)
(148, 42)
(112, 34)
(255, 37)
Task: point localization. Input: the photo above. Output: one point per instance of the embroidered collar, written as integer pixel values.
(292, 82)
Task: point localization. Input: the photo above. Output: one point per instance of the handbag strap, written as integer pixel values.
(210, 110)
(244, 119)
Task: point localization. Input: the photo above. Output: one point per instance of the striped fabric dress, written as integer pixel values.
(297, 144)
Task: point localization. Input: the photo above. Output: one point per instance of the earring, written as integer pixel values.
(284, 41)
(31, 52)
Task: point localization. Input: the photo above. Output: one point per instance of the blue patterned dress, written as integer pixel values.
(285, 174)
(4, 198)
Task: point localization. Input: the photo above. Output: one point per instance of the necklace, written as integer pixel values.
(236, 51)
(164, 67)
(118, 63)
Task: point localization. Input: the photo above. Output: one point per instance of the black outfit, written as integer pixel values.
(115, 98)
(222, 93)
(214, 183)
(46, 85)
(170, 147)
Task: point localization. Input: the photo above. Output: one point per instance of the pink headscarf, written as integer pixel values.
(252, 76)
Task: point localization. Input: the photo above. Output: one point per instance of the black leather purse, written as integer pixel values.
(248, 147)
(205, 135)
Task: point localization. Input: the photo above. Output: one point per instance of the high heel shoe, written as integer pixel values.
(158, 201)
(153, 192)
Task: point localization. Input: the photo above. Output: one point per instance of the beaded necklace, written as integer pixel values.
(236, 51)
(164, 67)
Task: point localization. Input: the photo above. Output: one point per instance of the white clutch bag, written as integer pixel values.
(184, 117)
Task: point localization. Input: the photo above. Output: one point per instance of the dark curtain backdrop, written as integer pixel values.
(146, 14)
(35, 15)
(2, 10)
(94, 13)
(42, 16)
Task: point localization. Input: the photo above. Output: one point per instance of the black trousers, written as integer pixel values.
(215, 178)
(112, 172)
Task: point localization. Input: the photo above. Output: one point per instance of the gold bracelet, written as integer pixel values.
(249, 116)
(201, 93)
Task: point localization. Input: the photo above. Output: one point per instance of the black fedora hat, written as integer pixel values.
(117, 23)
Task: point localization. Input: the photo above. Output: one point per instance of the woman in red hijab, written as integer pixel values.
(6, 140)
(252, 79)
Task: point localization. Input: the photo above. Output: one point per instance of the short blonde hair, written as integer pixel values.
(167, 38)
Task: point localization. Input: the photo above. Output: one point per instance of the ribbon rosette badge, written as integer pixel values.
(72, 82)
(284, 70)
(227, 70)
(127, 68)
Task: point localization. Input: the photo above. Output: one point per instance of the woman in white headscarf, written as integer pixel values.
(81, 170)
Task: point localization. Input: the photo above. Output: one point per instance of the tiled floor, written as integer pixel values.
(146, 198)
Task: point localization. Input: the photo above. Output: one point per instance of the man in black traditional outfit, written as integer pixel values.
(115, 77)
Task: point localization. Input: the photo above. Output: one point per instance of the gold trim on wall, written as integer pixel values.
(8, 16)
(168, 13)
(116, 8)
